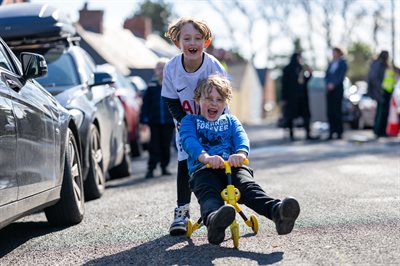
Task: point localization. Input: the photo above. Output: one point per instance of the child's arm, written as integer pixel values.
(192, 145)
(175, 108)
(237, 159)
(241, 141)
(215, 161)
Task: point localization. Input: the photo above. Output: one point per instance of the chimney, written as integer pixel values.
(139, 26)
(9, 2)
(91, 20)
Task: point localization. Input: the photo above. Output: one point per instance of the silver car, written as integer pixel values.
(39, 146)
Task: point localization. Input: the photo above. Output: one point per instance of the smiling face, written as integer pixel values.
(212, 104)
(191, 42)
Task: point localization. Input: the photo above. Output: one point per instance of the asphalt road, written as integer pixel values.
(349, 193)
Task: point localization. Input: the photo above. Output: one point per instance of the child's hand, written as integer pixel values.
(237, 159)
(214, 161)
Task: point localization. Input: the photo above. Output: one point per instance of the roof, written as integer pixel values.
(161, 47)
(120, 48)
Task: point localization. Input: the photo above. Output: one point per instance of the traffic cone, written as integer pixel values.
(393, 126)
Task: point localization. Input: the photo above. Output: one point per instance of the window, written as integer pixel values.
(4, 63)
(61, 72)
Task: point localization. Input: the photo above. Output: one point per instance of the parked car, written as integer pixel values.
(317, 100)
(74, 82)
(39, 146)
(366, 104)
(131, 102)
(140, 87)
(139, 84)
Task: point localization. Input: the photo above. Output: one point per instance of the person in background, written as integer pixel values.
(295, 94)
(334, 78)
(181, 75)
(155, 113)
(213, 138)
(381, 82)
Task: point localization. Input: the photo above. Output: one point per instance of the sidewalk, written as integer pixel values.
(267, 133)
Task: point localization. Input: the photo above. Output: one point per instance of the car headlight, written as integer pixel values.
(78, 116)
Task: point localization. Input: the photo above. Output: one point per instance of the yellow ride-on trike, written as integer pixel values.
(230, 195)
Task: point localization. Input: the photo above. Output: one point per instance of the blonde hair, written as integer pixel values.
(174, 30)
(219, 82)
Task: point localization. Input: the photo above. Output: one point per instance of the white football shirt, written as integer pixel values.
(179, 84)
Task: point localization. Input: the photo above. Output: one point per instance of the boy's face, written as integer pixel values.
(191, 42)
(212, 105)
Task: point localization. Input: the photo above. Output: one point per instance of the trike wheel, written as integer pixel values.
(235, 234)
(254, 223)
(189, 230)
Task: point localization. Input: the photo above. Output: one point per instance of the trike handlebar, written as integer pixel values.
(227, 166)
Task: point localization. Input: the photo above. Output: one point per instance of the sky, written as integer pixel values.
(116, 11)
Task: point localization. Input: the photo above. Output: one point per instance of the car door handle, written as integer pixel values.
(12, 83)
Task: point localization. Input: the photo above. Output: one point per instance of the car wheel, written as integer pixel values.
(125, 167)
(95, 183)
(70, 208)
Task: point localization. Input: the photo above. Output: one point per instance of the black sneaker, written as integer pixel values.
(285, 215)
(165, 172)
(218, 221)
(149, 174)
(179, 224)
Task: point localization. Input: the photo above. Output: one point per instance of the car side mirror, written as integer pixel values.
(33, 65)
(102, 78)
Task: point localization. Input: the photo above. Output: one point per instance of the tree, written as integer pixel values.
(359, 57)
(309, 11)
(159, 12)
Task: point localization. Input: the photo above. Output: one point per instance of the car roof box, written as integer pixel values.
(33, 21)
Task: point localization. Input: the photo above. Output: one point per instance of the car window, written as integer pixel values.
(4, 63)
(61, 72)
(85, 65)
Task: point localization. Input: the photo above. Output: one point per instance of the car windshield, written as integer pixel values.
(61, 72)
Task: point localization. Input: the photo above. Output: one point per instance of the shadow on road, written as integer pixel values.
(169, 250)
(18, 233)
(137, 180)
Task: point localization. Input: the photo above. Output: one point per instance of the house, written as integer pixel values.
(247, 102)
(119, 47)
(269, 93)
(134, 50)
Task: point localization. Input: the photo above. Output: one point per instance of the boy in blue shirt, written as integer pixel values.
(212, 138)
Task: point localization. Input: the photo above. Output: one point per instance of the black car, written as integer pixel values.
(39, 146)
(73, 80)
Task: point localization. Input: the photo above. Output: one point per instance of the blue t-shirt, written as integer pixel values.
(222, 137)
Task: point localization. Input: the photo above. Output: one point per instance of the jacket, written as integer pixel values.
(154, 110)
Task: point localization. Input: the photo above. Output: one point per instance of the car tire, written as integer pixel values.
(69, 210)
(125, 167)
(95, 182)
